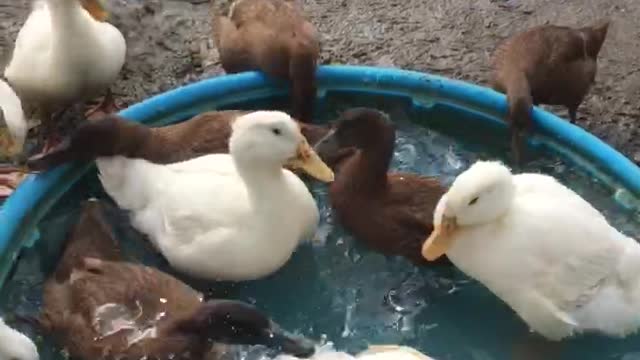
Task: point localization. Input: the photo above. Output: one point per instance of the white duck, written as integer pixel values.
(15, 345)
(13, 133)
(236, 216)
(374, 352)
(13, 124)
(65, 52)
(542, 249)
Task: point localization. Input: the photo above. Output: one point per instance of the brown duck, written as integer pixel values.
(272, 36)
(99, 307)
(390, 212)
(207, 133)
(548, 64)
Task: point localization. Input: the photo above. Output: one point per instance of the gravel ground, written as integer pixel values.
(169, 44)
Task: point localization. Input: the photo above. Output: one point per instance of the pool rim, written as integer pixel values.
(35, 188)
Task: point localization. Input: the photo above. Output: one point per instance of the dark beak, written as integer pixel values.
(285, 343)
(328, 147)
(58, 155)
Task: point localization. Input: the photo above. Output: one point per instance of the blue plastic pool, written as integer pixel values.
(452, 123)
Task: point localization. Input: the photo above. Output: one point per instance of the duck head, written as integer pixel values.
(481, 194)
(273, 139)
(15, 345)
(96, 9)
(238, 323)
(358, 128)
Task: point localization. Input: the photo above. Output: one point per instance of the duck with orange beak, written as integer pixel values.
(542, 249)
(65, 53)
(236, 216)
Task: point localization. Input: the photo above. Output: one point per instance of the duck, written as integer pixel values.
(374, 352)
(390, 212)
(13, 134)
(14, 345)
(96, 305)
(65, 52)
(275, 37)
(236, 216)
(542, 249)
(548, 64)
(112, 135)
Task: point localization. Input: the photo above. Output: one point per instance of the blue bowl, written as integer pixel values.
(471, 106)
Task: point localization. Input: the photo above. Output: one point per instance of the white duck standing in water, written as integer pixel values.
(542, 249)
(65, 52)
(236, 216)
(15, 345)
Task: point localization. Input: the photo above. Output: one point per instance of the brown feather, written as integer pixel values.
(391, 212)
(207, 133)
(92, 275)
(272, 36)
(548, 64)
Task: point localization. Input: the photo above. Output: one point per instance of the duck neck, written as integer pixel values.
(368, 169)
(66, 17)
(263, 179)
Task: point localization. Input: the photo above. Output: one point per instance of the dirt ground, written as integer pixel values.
(169, 44)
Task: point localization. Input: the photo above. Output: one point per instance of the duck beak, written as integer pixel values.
(440, 239)
(96, 9)
(307, 160)
(328, 145)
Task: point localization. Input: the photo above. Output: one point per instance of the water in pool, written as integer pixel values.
(341, 292)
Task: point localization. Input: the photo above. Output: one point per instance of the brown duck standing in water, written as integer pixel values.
(99, 307)
(272, 36)
(390, 212)
(207, 133)
(548, 64)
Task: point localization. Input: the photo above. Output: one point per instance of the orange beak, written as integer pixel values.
(440, 239)
(95, 9)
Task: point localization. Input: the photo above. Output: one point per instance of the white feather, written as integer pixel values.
(13, 115)
(62, 54)
(211, 220)
(546, 252)
(374, 352)
(15, 345)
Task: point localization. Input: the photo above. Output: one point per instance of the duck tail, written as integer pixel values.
(595, 36)
(302, 72)
(92, 236)
(520, 102)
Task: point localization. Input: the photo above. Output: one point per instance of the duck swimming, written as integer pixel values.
(204, 134)
(554, 65)
(272, 36)
(65, 52)
(15, 345)
(391, 212)
(542, 249)
(97, 306)
(236, 216)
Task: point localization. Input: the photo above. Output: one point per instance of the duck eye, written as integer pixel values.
(275, 131)
(474, 200)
